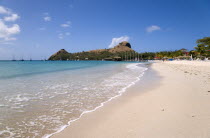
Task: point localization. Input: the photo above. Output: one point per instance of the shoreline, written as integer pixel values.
(177, 106)
(121, 92)
(126, 95)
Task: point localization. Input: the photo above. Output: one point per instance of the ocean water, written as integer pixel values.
(40, 98)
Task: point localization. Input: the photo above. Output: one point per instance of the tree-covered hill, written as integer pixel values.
(123, 51)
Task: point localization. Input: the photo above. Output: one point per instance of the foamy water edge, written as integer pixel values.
(102, 104)
(138, 78)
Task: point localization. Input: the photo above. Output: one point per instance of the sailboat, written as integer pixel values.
(22, 59)
(13, 59)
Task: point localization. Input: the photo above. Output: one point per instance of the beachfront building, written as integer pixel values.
(184, 51)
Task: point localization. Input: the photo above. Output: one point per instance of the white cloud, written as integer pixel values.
(7, 32)
(12, 17)
(47, 18)
(64, 25)
(116, 41)
(62, 35)
(67, 24)
(4, 10)
(152, 28)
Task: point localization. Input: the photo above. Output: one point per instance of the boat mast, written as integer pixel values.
(13, 58)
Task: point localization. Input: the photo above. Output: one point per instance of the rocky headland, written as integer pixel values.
(116, 53)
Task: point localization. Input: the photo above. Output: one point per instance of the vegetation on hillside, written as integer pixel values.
(202, 50)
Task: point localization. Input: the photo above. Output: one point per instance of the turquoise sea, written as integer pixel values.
(39, 98)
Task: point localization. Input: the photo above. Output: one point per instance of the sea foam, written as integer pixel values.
(45, 104)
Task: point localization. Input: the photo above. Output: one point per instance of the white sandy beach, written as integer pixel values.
(177, 106)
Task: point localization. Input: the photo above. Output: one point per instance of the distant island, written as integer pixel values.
(120, 52)
(124, 52)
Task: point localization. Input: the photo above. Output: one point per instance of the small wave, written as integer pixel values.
(134, 66)
(3, 105)
(43, 104)
(6, 133)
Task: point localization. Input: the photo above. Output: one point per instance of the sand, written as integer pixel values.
(175, 105)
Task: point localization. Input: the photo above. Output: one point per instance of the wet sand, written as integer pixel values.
(172, 100)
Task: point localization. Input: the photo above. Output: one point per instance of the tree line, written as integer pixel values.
(202, 50)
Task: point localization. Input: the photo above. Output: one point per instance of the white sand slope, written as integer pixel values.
(178, 107)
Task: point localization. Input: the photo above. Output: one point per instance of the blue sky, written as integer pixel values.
(38, 28)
